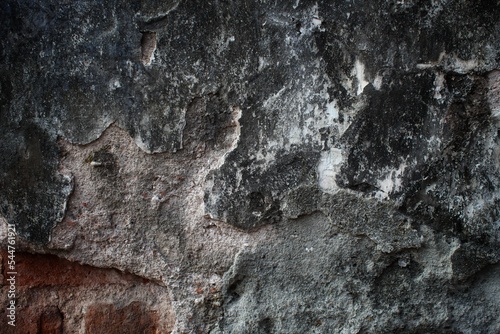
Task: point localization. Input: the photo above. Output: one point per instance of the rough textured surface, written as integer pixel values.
(56, 296)
(267, 167)
(130, 319)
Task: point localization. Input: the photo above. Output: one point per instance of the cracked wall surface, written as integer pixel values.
(264, 167)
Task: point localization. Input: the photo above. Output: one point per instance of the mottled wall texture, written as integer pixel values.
(212, 166)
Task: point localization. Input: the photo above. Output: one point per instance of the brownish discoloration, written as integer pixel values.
(133, 318)
(54, 296)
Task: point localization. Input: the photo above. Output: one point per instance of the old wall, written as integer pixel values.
(251, 166)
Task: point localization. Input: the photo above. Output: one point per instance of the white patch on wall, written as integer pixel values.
(391, 183)
(263, 63)
(462, 66)
(377, 82)
(450, 62)
(438, 86)
(316, 22)
(114, 84)
(332, 112)
(328, 168)
(359, 71)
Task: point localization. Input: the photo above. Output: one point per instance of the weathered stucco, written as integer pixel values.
(268, 167)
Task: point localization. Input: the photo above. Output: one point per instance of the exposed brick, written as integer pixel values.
(35, 320)
(133, 318)
(51, 321)
(51, 292)
(49, 270)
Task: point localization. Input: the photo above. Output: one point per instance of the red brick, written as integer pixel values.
(133, 318)
(51, 321)
(38, 270)
(34, 320)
